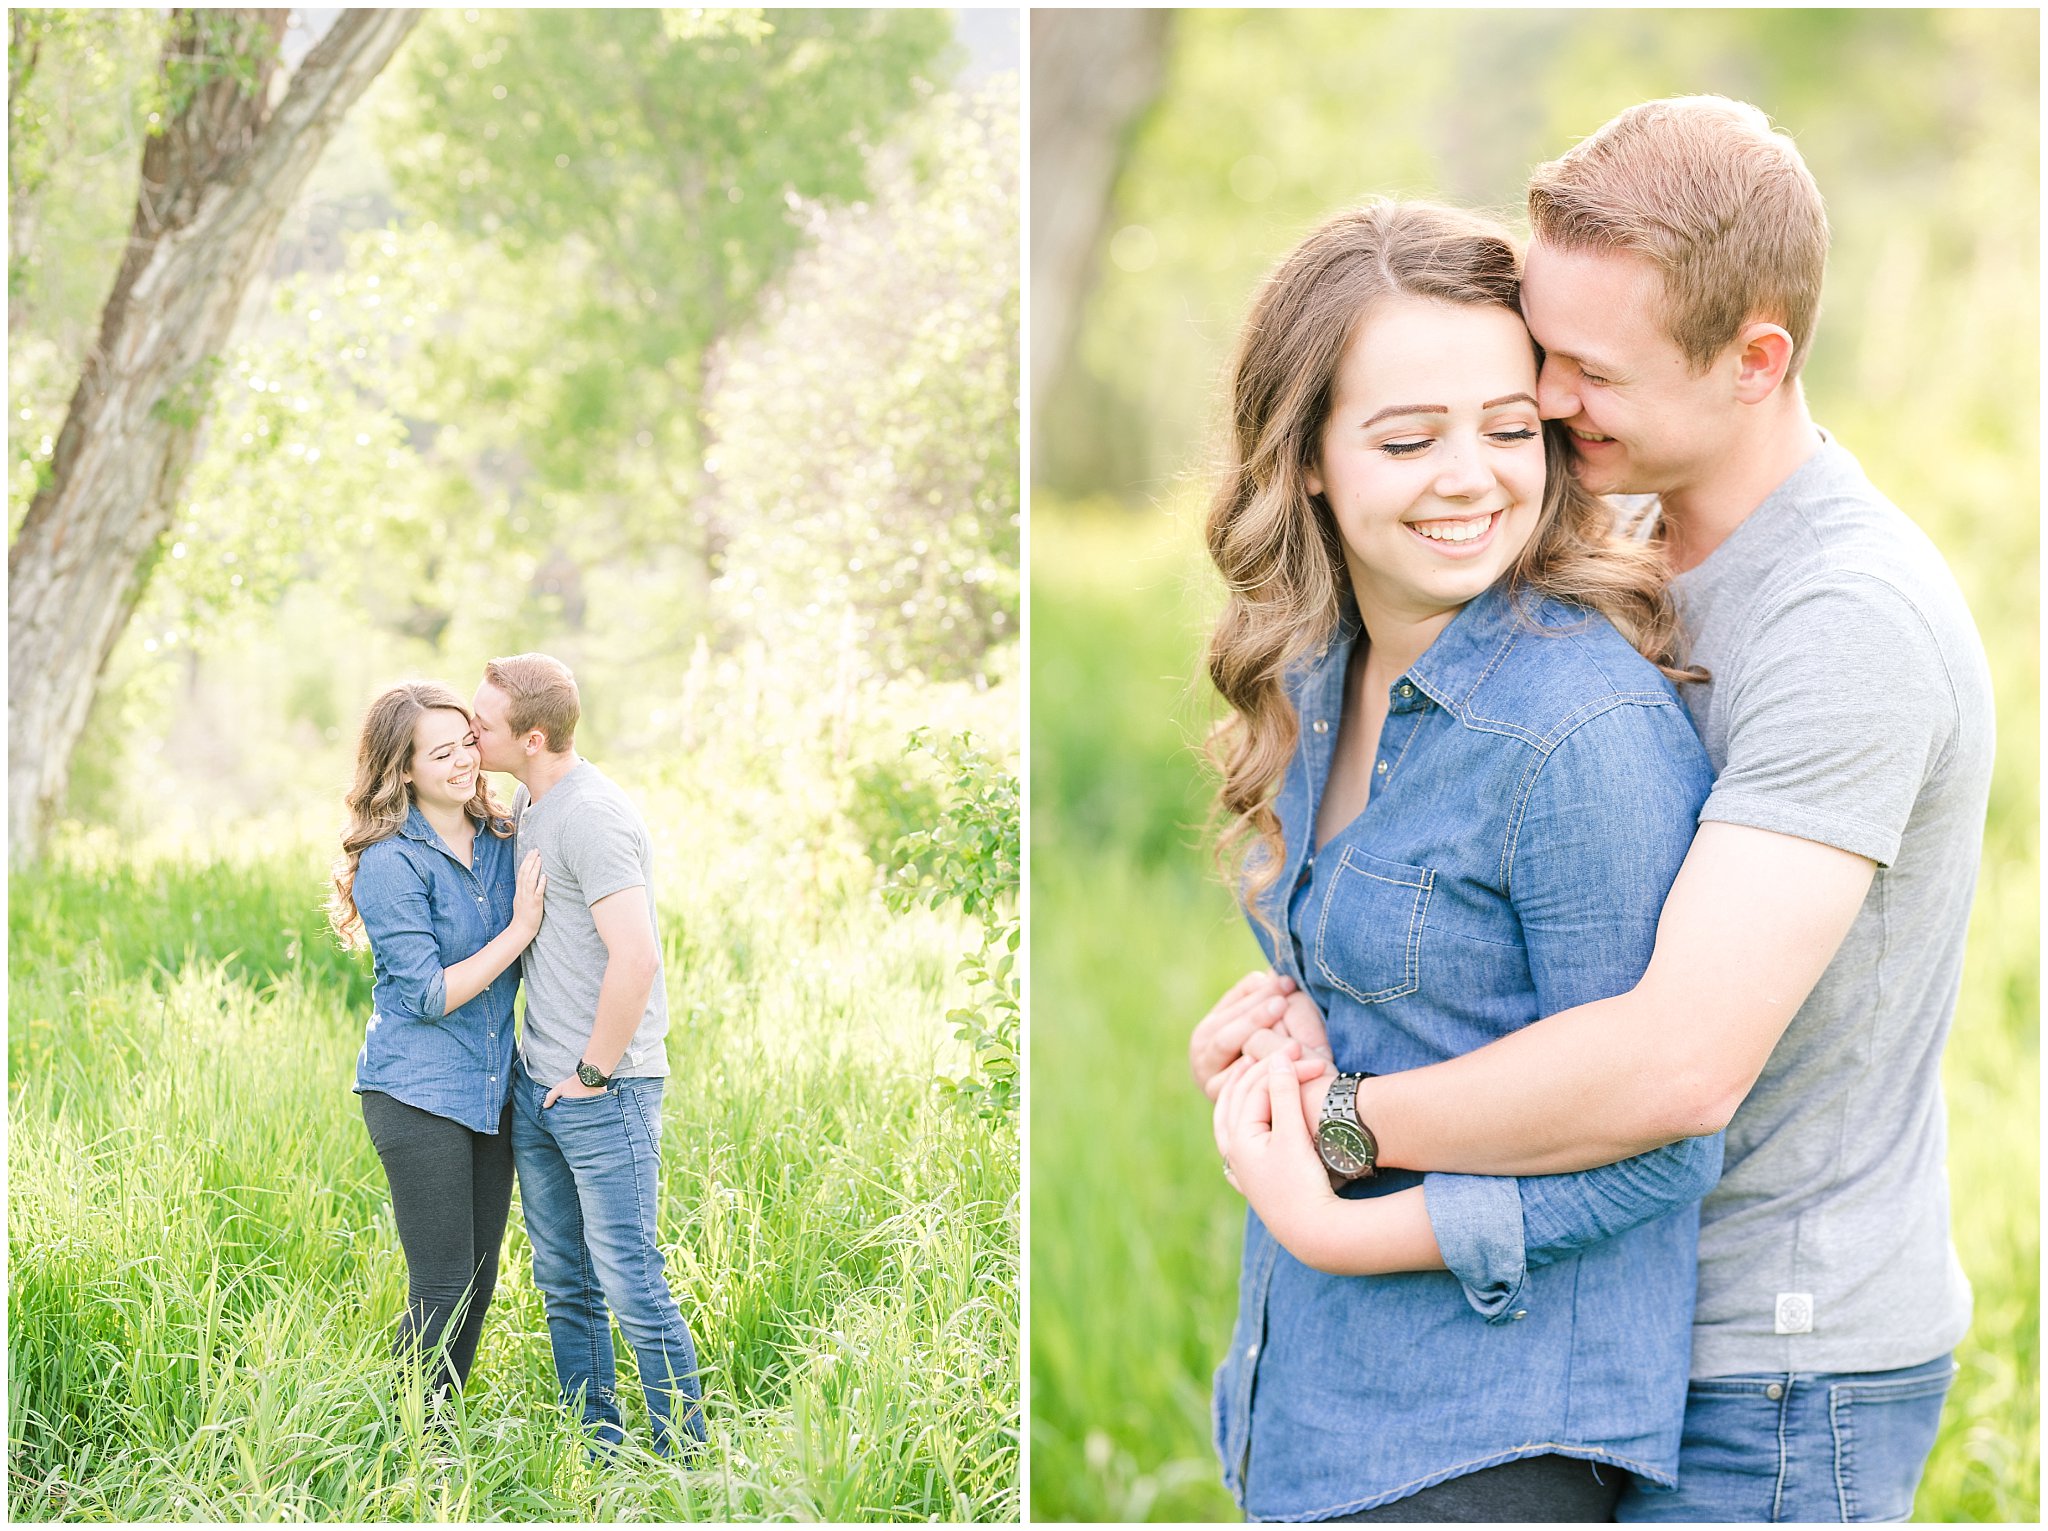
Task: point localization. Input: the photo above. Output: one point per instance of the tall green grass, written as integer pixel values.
(1135, 1238)
(204, 1272)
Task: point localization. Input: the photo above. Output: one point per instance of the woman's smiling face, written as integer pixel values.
(444, 763)
(1432, 457)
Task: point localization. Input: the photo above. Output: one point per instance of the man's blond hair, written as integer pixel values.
(1716, 198)
(543, 696)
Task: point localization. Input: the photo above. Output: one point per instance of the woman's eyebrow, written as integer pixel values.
(1409, 409)
(1508, 398)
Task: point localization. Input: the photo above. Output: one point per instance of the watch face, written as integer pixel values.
(1344, 1148)
(591, 1078)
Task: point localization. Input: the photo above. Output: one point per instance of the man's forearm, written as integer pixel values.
(621, 1002)
(1586, 1087)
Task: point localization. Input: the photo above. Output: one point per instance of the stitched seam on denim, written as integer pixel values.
(1894, 1392)
(1412, 955)
(1414, 728)
(1845, 1455)
(1512, 1454)
(1784, 1410)
(1548, 747)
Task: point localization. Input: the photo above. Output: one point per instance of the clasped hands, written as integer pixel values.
(1263, 1057)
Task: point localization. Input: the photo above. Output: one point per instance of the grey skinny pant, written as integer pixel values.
(451, 1190)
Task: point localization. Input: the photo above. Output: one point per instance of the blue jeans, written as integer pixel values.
(587, 1173)
(1801, 1446)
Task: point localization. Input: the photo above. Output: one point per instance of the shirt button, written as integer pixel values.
(1775, 1391)
(1322, 725)
(1381, 768)
(1520, 1313)
(1251, 1352)
(1407, 691)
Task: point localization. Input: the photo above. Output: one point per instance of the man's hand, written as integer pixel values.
(1255, 1001)
(573, 1088)
(1270, 1156)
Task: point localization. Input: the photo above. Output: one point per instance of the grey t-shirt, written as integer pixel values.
(1850, 705)
(592, 843)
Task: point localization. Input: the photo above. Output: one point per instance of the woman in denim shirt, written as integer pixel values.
(425, 876)
(1456, 789)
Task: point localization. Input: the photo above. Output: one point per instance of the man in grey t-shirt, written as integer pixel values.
(586, 1093)
(1810, 953)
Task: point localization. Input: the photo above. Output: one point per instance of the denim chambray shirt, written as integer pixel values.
(424, 911)
(1532, 799)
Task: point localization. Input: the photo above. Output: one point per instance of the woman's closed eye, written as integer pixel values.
(1511, 437)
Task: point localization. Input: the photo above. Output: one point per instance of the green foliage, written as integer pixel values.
(203, 1268)
(209, 45)
(865, 455)
(637, 177)
(970, 857)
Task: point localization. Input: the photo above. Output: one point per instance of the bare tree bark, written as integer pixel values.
(1092, 73)
(216, 185)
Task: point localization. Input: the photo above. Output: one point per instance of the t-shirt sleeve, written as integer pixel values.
(603, 852)
(1842, 710)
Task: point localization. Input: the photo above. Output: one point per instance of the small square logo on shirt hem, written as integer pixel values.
(1795, 1313)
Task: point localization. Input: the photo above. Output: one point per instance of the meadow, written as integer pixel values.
(1135, 1237)
(203, 1267)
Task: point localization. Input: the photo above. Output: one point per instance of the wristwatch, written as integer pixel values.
(1346, 1144)
(592, 1079)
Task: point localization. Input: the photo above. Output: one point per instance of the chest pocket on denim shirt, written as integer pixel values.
(1369, 936)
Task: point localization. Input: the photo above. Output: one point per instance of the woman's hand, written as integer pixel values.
(527, 897)
(1270, 1156)
(1254, 1002)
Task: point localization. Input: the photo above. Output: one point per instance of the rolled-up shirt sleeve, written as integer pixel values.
(1603, 832)
(391, 897)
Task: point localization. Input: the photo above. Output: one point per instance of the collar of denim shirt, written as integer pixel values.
(417, 828)
(1451, 669)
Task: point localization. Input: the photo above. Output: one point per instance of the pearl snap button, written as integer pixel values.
(1381, 768)
(1322, 725)
(1521, 1313)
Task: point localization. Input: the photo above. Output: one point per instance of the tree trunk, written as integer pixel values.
(1092, 73)
(216, 185)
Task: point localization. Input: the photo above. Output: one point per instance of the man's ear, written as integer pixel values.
(1765, 352)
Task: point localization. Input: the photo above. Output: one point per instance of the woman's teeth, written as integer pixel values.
(1454, 531)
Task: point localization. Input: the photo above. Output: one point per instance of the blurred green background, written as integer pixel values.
(1240, 129)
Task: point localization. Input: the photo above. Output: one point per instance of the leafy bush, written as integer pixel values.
(970, 856)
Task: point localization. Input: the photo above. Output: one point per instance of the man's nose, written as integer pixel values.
(1556, 399)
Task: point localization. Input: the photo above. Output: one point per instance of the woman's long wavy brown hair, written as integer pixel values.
(1277, 545)
(380, 797)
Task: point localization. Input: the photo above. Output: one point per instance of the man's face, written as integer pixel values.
(1641, 421)
(495, 741)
